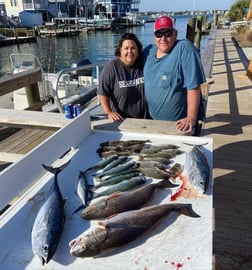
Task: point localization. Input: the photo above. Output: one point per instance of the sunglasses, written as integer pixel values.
(167, 33)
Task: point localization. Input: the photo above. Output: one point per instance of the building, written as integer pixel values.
(116, 8)
(37, 12)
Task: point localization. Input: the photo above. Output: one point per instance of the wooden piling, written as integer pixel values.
(190, 31)
(198, 32)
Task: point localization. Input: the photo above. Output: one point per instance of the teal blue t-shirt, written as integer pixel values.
(168, 79)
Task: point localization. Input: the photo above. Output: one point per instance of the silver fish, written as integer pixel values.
(122, 186)
(114, 179)
(49, 222)
(82, 190)
(123, 201)
(102, 163)
(118, 169)
(123, 228)
(196, 169)
(114, 163)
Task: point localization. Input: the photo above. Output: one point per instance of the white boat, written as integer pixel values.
(76, 84)
(178, 240)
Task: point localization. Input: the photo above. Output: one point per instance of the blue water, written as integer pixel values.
(57, 53)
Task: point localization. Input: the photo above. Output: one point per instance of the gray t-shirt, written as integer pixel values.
(124, 86)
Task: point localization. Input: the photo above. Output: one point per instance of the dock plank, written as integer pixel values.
(229, 123)
(32, 119)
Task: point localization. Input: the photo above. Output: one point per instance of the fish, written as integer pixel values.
(114, 163)
(118, 169)
(106, 154)
(114, 179)
(197, 169)
(134, 148)
(122, 186)
(157, 148)
(154, 172)
(123, 201)
(120, 229)
(195, 175)
(175, 170)
(102, 163)
(82, 190)
(49, 222)
(160, 154)
(151, 164)
(165, 161)
(123, 143)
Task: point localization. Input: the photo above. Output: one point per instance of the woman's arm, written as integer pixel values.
(105, 102)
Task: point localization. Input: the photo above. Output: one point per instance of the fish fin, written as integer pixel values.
(166, 183)
(114, 195)
(78, 209)
(187, 210)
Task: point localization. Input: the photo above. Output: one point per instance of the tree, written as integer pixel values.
(238, 10)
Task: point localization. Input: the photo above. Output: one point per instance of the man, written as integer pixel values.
(173, 74)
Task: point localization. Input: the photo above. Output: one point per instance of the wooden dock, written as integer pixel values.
(229, 123)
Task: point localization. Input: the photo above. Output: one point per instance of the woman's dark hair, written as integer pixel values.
(128, 36)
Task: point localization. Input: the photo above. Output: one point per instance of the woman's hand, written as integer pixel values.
(114, 116)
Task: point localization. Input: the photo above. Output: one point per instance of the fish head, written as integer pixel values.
(94, 210)
(89, 243)
(44, 253)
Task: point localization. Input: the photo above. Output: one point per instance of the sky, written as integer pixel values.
(182, 5)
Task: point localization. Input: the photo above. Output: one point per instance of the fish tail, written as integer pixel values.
(187, 210)
(190, 144)
(56, 170)
(166, 183)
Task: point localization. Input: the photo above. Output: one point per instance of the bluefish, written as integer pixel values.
(122, 186)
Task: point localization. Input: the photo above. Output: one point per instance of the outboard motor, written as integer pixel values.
(82, 72)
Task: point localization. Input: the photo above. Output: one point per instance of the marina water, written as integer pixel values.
(58, 53)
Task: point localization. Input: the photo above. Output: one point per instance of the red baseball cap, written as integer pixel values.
(162, 23)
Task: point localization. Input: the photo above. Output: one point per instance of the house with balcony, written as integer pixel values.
(38, 12)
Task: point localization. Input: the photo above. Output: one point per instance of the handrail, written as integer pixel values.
(72, 70)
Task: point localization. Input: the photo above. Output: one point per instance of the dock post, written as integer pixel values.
(190, 31)
(198, 32)
(32, 94)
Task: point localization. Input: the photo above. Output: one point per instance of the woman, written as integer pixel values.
(121, 84)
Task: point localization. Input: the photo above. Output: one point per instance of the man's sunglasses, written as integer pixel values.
(167, 33)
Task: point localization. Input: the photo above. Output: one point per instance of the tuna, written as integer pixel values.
(49, 222)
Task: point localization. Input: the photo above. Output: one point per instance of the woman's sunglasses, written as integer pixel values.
(167, 33)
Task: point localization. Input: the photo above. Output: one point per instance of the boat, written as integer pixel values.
(50, 29)
(188, 240)
(74, 85)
